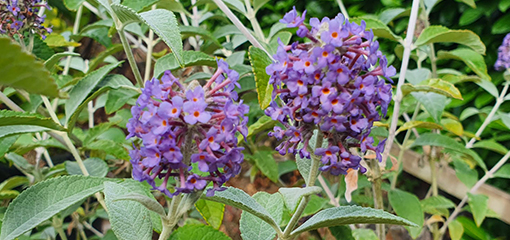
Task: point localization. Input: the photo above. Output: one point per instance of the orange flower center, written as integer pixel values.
(329, 153)
(334, 121)
(196, 113)
(326, 91)
(334, 34)
(202, 157)
(325, 54)
(164, 123)
(334, 102)
(174, 110)
(315, 114)
(300, 82)
(193, 181)
(307, 64)
(211, 139)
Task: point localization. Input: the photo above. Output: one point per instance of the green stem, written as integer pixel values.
(314, 170)
(148, 59)
(378, 198)
(130, 56)
(342, 8)
(76, 28)
(254, 22)
(403, 148)
(57, 224)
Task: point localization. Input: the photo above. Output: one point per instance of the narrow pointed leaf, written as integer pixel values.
(239, 199)
(84, 87)
(148, 202)
(434, 85)
(212, 212)
(478, 204)
(349, 215)
(190, 58)
(254, 228)
(292, 196)
(129, 219)
(380, 29)
(39, 202)
(440, 34)
(433, 139)
(95, 167)
(408, 206)
(456, 230)
(8, 118)
(198, 232)
(471, 58)
(262, 124)
(259, 61)
(56, 58)
(419, 124)
(6, 131)
(20, 69)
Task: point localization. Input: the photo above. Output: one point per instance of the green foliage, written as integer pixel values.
(266, 163)
(408, 206)
(95, 167)
(259, 61)
(124, 215)
(39, 203)
(478, 204)
(212, 212)
(254, 228)
(10, 118)
(349, 215)
(293, 196)
(197, 232)
(440, 34)
(19, 70)
(190, 58)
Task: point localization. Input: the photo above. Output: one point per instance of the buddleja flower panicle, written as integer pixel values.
(173, 120)
(503, 61)
(335, 83)
(20, 16)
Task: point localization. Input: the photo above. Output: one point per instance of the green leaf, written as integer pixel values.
(138, 5)
(453, 126)
(19, 69)
(13, 182)
(489, 87)
(50, 63)
(341, 232)
(504, 5)
(73, 5)
(129, 219)
(5, 144)
(212, 212)
(39, 202)
(503, 172)
(146, 200)
(471, 230)
(408, 206)
(389, 15)
(57, 40)
(18, 160)
(491, 145)
(478, 204)
(197, 232)
(438, 140)
(364, 234)
(314, 205)
(95, 166)
(501, 25)
(304, 164)
(189, 31)
(84, 87)
(435, 85)
(115, 99)
(416, 76)
(109, 147)
(349, 215)
(265, 162)
(259, 61)
(191, 58)
(262, 124)
(239, 199)
(164, 24)
(455, 229)
(436, 204)
(465, 174)
(9, 118)
(418, 124)
(380, 29)
(432, 102)
(440, 34)
(468, 112)
(469, 16)
(471, 58)
(115, 48)
(257, 4)
(293, 196)
(470, 3)
(252, 227)
(6, 131)
(109, 82)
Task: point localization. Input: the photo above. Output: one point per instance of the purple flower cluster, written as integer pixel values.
(180, 126)
(503, 61)
(19, 16)
(336, 83)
